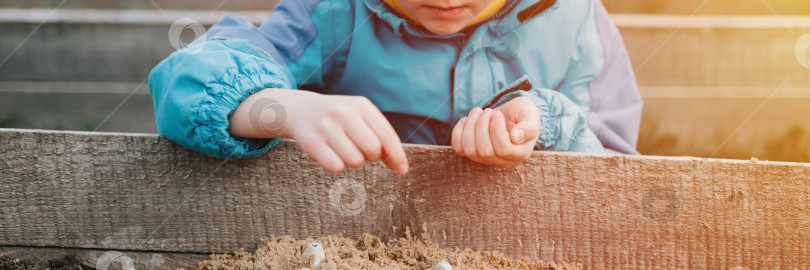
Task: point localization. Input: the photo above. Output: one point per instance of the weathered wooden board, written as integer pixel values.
(762, 7)
(627, 6)
(715, 51)
(143, 192)
(204, 5)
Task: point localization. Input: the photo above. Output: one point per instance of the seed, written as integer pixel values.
(314, 250)
(444, 265)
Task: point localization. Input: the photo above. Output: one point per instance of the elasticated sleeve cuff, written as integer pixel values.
(563, 126)
(195, 91)
(223, 97)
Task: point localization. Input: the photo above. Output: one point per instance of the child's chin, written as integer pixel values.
(444, 29)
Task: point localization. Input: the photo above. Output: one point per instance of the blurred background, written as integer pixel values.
(720, 78)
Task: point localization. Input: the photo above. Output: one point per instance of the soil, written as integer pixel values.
(65, 263)
(368, 252)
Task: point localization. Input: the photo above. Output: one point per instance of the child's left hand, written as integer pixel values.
(502, 136)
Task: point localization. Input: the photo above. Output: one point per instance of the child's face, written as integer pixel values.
(444, 17)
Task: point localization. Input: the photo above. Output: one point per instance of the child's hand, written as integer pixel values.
(339, 131)
(336, 131)
(502, 137)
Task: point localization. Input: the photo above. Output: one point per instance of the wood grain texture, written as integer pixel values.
(705, 53)
(143, 192)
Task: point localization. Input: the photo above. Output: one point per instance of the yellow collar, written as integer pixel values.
(488, 12)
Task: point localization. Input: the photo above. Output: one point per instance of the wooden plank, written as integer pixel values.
(108, 259)
(73, 111)
(627, 6)
(204, 5)
(122, 17)
(667, 21)
(142, 192)
(74, 87)
(711, 56)
(686, 7)
(727, 128)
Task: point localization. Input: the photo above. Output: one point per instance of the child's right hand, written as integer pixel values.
(339, 131)
(336, 131)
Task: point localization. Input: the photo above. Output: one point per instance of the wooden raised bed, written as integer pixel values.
(164, 206)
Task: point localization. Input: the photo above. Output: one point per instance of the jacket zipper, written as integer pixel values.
(523, 86)
(453, 90)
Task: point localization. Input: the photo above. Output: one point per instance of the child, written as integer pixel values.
(496, 79)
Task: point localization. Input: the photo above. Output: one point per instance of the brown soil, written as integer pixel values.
(368, 252)
(65, 263)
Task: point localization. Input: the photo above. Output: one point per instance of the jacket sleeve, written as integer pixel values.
(195, 89)
(194, 92)
(563, 124)
(597, 107)
(616, 104)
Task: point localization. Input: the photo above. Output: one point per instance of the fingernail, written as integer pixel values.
(403, 169)
(487, 111)
(498, 115)
(476, 111)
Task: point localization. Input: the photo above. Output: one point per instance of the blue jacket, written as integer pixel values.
(566, 56)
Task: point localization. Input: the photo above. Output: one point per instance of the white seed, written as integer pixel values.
(444, 265)
(314, 250)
